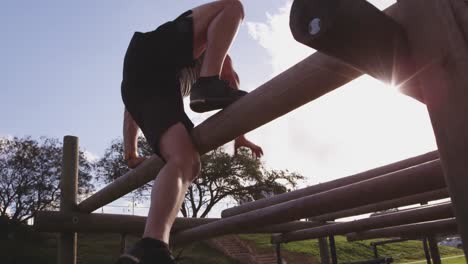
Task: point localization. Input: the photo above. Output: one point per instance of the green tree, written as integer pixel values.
(29, 176)
(222, 175)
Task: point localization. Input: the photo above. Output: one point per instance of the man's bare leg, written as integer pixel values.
(172, 182)
(215, 26)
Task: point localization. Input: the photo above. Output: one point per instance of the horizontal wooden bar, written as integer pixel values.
(422, 214)
(411, 231)
(390, 241)
(330, 185)
(128, 224)
(390, 204)
(104, 223)
(417, 179)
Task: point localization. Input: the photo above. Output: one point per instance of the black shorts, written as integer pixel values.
(150, 87)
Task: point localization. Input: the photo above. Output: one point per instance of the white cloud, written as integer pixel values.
(276, 38)
(357, 127)
(91, 157)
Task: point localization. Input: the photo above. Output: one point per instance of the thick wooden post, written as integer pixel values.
(123, 243)
(279, 260)
(438, 42)
(68, 190)
(434, 250)
(324, 252)
(376, 251)
(334, 256)
(426, 250)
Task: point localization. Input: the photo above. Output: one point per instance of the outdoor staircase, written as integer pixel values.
(237, 249)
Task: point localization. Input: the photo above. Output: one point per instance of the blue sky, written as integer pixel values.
(62, 63)
(61, 72)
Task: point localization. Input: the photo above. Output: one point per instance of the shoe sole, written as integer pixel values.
(210, 104)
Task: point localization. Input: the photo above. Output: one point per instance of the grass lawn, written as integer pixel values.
(456, 260)
(93, 249)
(104, 248)
(402, 252)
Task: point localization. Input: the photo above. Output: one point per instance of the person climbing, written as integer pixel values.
(159, 69)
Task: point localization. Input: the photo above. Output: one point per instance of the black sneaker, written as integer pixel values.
(143, 252)
(208, 95)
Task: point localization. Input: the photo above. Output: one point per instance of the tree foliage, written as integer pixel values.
(29, 176)
(222, 176)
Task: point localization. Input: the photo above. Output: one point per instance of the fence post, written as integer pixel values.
(426, 251)
(324, 252)
(123, 243)
(67, 244)
(376, 251)
(434, 250)
(279, 260)
(334, 256)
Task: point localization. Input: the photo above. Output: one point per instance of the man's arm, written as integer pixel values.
(130, 135)
(229, 74)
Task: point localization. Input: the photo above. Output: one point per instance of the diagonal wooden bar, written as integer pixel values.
(423, 214)
(128, 224)
(408, 200)
(309, 79)
(403, 164)
(284, 93)
(389, 186)
(123, 185)
(411, 231)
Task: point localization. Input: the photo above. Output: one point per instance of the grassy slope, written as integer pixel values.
(102, 249)
(92, 249)
(355, 251)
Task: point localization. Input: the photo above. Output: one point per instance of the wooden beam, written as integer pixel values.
(104, 223)
(302, 83)
(390, 241)
(403, 164)
(309, 79)
(390, 186)
(390, 204)
(411, 231)
(132, 180)
(353, 31)
(128, 224)
(67, 242)
(437, 37)
(422, 214)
